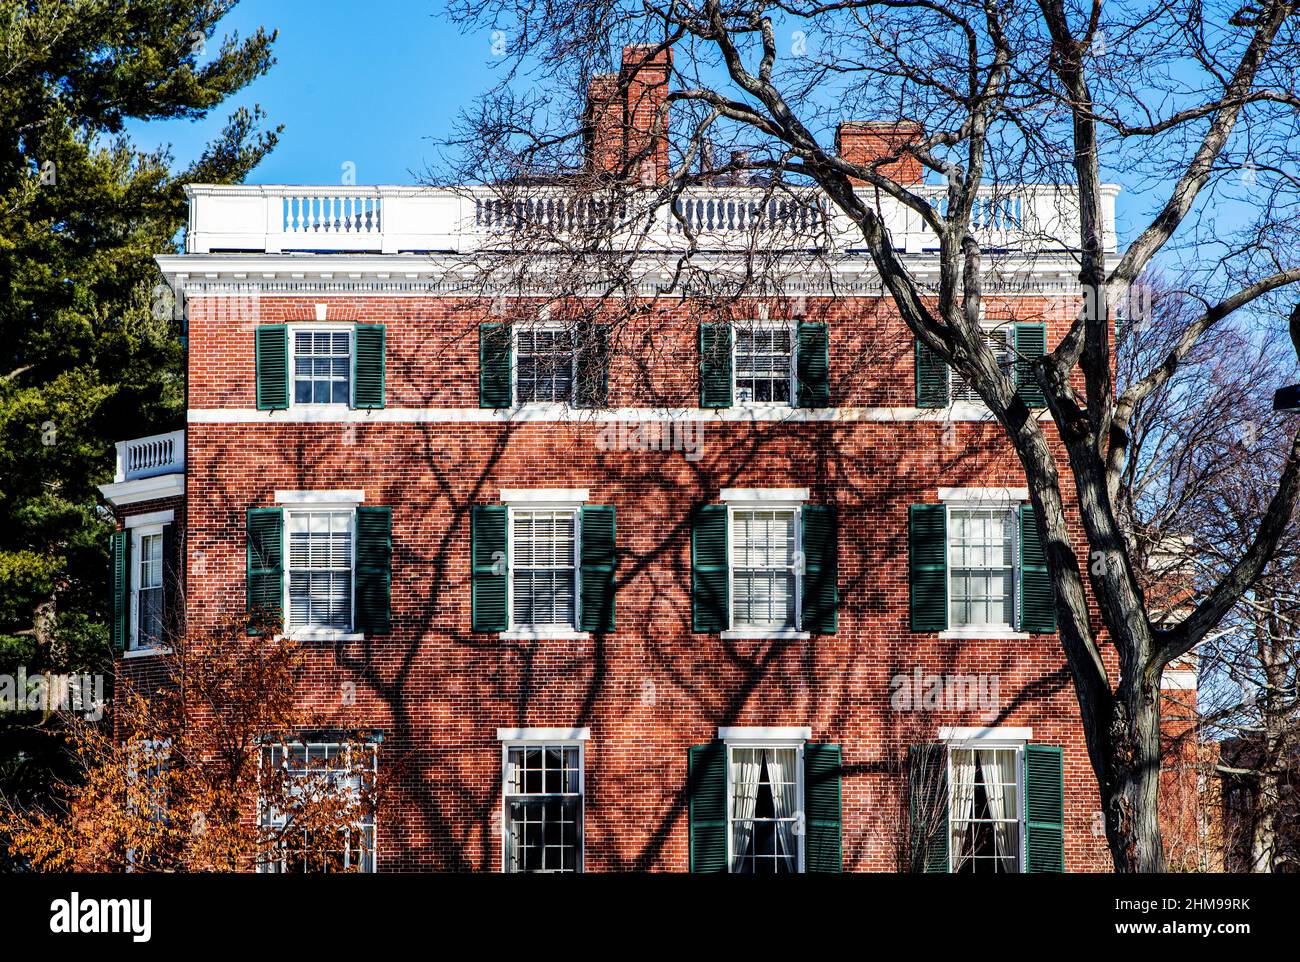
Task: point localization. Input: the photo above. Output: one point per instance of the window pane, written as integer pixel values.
(984, 810)
(981, 566)
(543, 804)
(997, 343)
(763, 364)
(543, 567)
(328, 766)
(320, 569)
(322, 366)
(763, 576)
(544, 365)
(764, 810)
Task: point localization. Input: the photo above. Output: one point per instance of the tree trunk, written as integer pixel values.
(1263, 833)
(1130, 780)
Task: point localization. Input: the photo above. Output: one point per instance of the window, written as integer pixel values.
(320, 569)
(312, 772)
(998, 343)
(766, 802)
(543, 808)
(981, 566)
(764, 579)
(764, 365)
(148, 585)
(322, 366)
(984, 809)
(544, 363)
(543, 562)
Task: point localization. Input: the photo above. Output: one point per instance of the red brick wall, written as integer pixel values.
(652, 688)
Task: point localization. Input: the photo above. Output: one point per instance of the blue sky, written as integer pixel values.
(368, 83)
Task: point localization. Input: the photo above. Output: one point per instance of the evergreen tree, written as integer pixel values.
(90, 347)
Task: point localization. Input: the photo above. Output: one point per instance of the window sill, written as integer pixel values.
(535, 634)
(740, 634)
(990, 634)
(322, 634)
(146, 652)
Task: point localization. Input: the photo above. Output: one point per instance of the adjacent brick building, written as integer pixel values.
(750, 589)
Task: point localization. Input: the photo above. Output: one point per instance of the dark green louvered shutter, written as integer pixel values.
(813, 366)
(488, 525)
(597, 568)
(709, 575)
(927, 542)
(715, 365)
(266, 562)
(272, 348)
(707, 785)
(374, 569)
(171, 575)
(823, 804)
(927, 782)
(931, 378)
(368, 359)
(821, 569)
(1037, 596)
(1030, 345)
(494, 349)
(592, 389)
(119, 551)
(1044, 809)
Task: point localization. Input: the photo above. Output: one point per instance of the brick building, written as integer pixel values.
(773, 602)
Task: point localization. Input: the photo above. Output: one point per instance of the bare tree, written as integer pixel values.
(1195, 102)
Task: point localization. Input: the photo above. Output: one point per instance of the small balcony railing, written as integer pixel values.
(151, 456)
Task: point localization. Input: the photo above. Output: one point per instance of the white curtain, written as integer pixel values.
(781, 773)
(1000, 775)
(746, 763)
(962, 775)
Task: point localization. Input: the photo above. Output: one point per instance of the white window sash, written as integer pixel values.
(324, 327)
(547, 327)
(577, 740)
(1010, 509)
(732, 508)
(978, 742)
(797, 745)
(765, 325)
(138, 534)
(285, 547)
(511, 512)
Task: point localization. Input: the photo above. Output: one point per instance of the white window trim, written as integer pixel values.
(332, 327)
(764, 324)
(558, 497)
(1009, 632)
(800, 733)
(330, 498)
(553, 736)
(152, 518)
(541, 324)
(578, 739)
(138, 532)
(544, 632)
(984, 497)
(788, 499)
(318, 634)
(1002, 737)
(761, 740)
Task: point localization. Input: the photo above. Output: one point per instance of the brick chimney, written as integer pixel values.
(621, 114)
(863, 142)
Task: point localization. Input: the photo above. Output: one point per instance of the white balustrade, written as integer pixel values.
(390, 219)
(151, 456)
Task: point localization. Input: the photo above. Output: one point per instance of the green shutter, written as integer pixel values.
(266, 562)
(715, 365)
(1037, 596)
(927, 543)
(1044, 809)
(823, 803)
(272, 349)
(488, 593)
(494, 350)
(374, 569)
(707, 787)
(1030, 345)
(171, 576)
(812, 361)
(368, 358)
(592, 389)
(927, 782)
(821, 569)
(119, 550)
(709, 574)
(597, 566)
(931, 378)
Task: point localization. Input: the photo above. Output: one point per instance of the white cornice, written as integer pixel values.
(144, 489)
